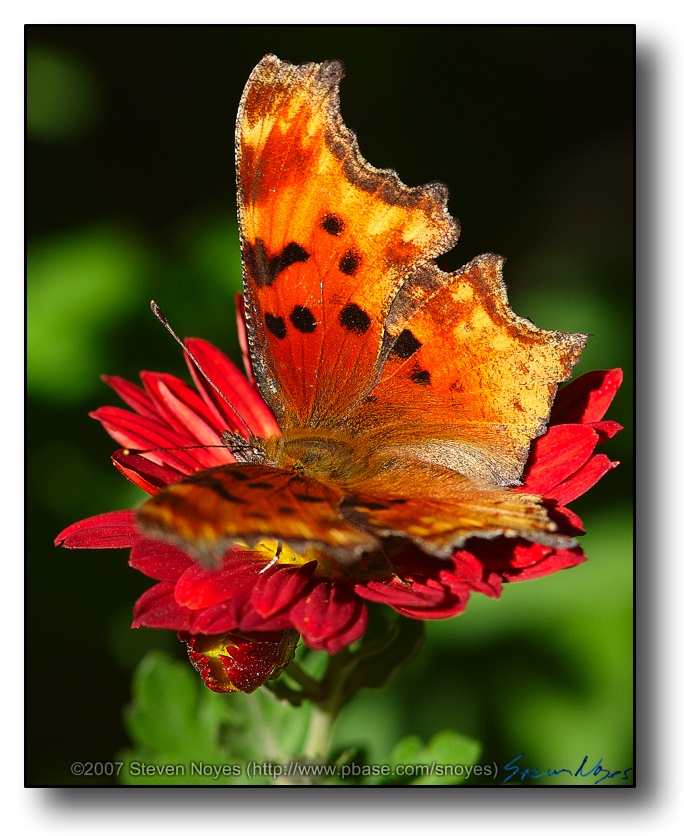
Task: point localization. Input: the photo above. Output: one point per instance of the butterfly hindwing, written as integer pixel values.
(464, 382)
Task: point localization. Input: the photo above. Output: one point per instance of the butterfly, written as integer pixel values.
(407, 397)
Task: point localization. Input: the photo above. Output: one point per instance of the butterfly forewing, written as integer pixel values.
(327, 241)
(211, 510)
(440, 526)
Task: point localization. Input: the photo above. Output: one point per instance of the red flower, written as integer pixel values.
(258, 597)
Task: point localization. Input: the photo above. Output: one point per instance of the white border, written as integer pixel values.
(77, 811)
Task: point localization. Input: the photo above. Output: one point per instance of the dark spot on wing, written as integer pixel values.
(218, 488)
(405, 345)
(354, 318)
(364, 505)
(332, 224)
(421, 377)
(291, 254)
(263, 268)
(304, 497)
(276, 325)
(303, 320)
(349, 263)
(237, 474)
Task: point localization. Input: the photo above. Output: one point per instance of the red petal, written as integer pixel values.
(145, 474)
(183, 409)
(113, 530)
(417, 600)
(159, 560)
(586, 477)
(529, 554)
(516, 560)
(163, 445)
(199, 587)
(557, 455)
(568, 521)
(467, 569)
(398, 595)
(451, 606)
(353, 632)
(237, 614)
(158, 608)
(328, 611)
(278, 589)
(547, 565)
(218, 619)
(605, 429)
(133, 395)
(586, 399)
(232, 383)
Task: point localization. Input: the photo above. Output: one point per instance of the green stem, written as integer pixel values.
(317, 744)
(326, 707)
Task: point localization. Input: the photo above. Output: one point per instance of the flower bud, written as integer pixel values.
(240, 661)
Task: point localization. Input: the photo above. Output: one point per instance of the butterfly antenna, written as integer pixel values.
(129, 451)
(156, 310)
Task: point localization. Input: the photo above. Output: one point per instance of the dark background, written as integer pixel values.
(130, 196)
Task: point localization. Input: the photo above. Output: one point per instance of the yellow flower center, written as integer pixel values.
(369, 565)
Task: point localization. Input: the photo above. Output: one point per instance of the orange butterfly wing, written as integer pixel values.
(327, 241)
(211, 510)
(466, 383)
(440, 526)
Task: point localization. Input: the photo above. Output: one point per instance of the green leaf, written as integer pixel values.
(408, 750)
(183, 733)
(448, 758)
(175, 726)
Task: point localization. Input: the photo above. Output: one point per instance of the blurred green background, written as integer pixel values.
(130, 196)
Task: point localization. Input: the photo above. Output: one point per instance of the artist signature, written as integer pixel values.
(598, 771)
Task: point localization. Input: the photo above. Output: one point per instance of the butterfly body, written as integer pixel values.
(407, 397)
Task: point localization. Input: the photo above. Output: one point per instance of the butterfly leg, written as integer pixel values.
(392, 567)
(273, 561)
